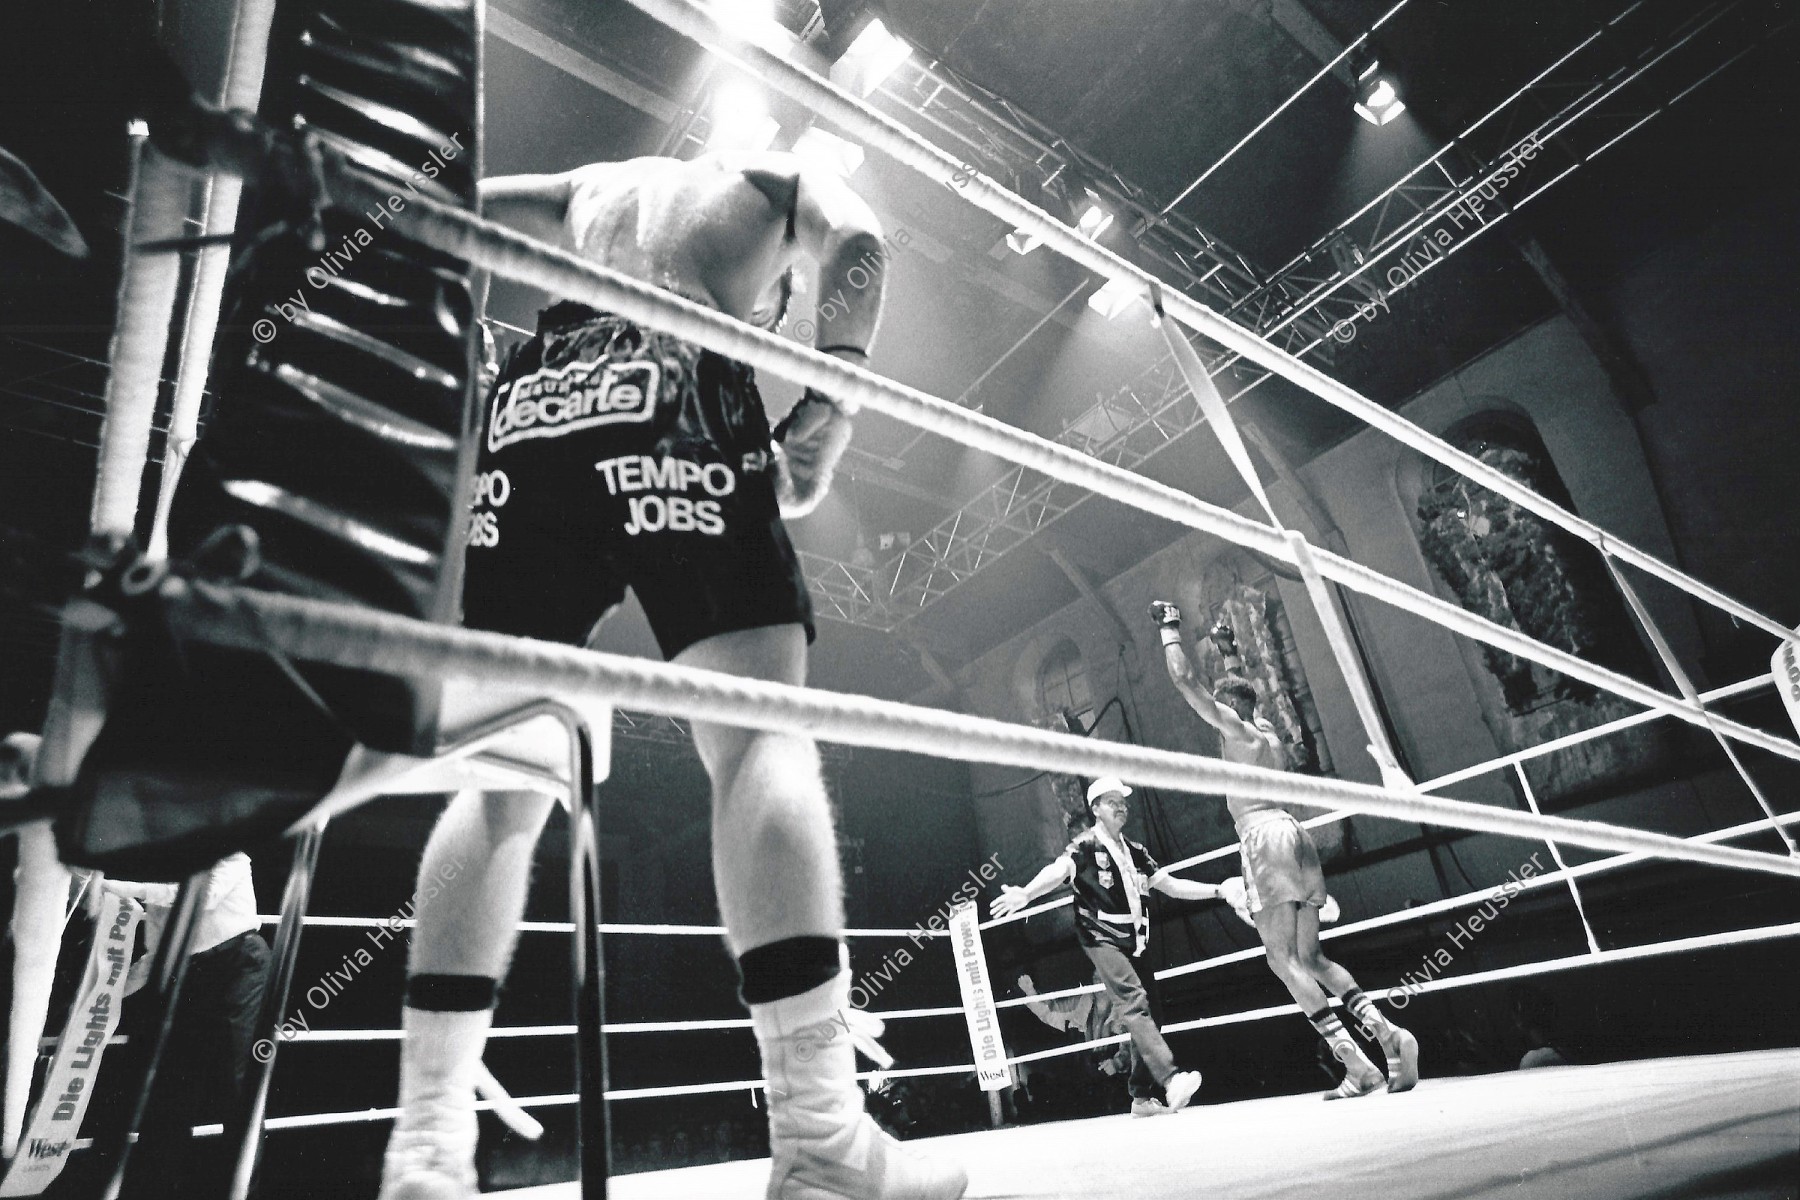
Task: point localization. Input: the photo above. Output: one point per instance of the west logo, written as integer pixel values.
(558, 400)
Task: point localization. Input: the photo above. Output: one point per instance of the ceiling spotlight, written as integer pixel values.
(1377, 100)
(1094, 221)
(829, 152)
(871, 58)
(1113, 298)
(740, 119)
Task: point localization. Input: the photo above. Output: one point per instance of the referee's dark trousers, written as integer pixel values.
(1151, 1062)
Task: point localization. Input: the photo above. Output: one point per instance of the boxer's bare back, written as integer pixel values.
(715, 228)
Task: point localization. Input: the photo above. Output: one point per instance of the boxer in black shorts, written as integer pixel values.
(614, 456)
(640, 461)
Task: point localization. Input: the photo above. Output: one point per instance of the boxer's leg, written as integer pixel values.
(780, 893)
(472, 885)
(774, 848)
(1400, 1046)
(1277, 924)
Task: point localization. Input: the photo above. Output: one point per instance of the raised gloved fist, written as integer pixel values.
(809, 441)
(1232, 892)
(1165, 614)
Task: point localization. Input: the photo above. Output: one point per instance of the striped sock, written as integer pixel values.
(1343, 1046)
(1358, 1005)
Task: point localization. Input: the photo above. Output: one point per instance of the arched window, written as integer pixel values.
(1518, 570)
(1261, 647)
(1063, 683)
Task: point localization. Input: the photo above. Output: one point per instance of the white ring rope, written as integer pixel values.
(1672, 665)
(1625, 954)
(1406, 915)
(1562, 866)
(498, 249)
(1506, 760)
(1401, 916)
(606, 927)
(1738, 937)
(1398, 917)
(1470, 899)
(908, 148)
(314, 630)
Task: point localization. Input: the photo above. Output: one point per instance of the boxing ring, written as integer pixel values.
(1613, 1130)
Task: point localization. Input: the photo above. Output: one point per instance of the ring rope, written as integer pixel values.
(1625, 954)
(1562, 867)
(1686, 685)
(1506, 760)
(515, 256)
(1727, 692)
(1397, 917)
(908, 148)
(315, 630)
(568, 927)
(1356, 681)
(1739, 937)
(1423, 911)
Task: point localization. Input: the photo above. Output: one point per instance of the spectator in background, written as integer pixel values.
(1089, 1017)
(206, 1064)
(1534, 1012)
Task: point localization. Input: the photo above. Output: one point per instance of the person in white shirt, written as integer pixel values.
(205, 1065)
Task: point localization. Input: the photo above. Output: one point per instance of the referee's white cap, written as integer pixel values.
(1105, 784)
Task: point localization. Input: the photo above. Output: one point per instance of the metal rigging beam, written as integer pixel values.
(1593, 101)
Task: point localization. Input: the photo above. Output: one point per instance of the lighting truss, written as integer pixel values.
(1125, 428)
(1578, 107)
(1006, 142)
(1607, 87)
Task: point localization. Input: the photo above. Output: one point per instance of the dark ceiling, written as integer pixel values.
(1160, 90)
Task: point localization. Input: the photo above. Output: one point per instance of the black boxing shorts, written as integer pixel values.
(614, 456)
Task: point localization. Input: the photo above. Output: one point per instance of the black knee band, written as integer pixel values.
(452, 993)
(788, 967)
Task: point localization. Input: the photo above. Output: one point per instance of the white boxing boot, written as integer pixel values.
(822, 1146)
(431, 1153)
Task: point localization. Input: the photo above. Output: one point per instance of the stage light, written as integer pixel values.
(871, 58)
(1377, 99)
(740, 119)
(1094, 221)
(1114, 297)
(829, 152)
